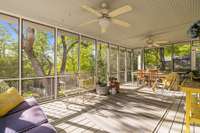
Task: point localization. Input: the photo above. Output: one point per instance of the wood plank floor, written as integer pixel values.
(132, 110)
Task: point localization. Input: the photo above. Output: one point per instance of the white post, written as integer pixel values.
(96, 66)
(193, 58)
(79, 47)
(108, 63)
(20, 56)
(139, 61)
(55, 66)
(118, 61)
(125, 60)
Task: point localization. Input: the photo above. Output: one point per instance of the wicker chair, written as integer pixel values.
(170, 82)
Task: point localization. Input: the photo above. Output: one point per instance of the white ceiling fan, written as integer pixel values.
(104, 17)
(151, 43)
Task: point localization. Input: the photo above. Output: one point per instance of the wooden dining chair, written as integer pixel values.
(140, 76)
(176, 82)
(153, 76)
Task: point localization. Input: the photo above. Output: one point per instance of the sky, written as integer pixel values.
(14, 35)
(9, 29)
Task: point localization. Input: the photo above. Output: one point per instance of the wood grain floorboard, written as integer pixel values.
(132, 110)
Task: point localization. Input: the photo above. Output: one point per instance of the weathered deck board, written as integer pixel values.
(133, 110)
(178, 123)
(168, 120)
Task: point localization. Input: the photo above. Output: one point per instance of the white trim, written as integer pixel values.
(55, 65)
(108, 63)
(79, 50)
(118, 63)
(79, 67)
(20, 54)
(125, 60)
(96, 66)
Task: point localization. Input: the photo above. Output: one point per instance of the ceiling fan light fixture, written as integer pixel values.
(105, 17)
(104, 23)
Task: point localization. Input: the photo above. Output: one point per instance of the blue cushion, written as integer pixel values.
(44, 128)
(23, 120)
(28, 103)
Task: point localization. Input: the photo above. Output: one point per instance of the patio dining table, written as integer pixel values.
(190, 88)
(148, 75)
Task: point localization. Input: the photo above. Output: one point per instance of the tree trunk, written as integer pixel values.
(162, 59)
(27, 45)
(66, 49)
(50, 64)
(64, 57)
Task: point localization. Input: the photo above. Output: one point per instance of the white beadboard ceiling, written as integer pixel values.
(165, 19)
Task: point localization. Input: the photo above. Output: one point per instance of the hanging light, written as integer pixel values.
(104, 23)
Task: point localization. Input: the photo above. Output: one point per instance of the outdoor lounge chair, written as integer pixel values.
(26, 117)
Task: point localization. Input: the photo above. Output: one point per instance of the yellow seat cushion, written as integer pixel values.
(9, 100)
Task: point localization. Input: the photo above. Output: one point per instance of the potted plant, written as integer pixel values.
(101, 87)
(194, 75)
(194, 30)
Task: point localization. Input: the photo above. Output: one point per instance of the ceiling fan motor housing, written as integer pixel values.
(104, 13)
(104, 5)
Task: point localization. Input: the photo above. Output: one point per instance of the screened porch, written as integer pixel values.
(107, 80)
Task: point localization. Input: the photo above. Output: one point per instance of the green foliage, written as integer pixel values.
(8, 67)
(168, 51)
(182, 49)
(113, 59)
(122, 60)
(102, 66)
(43, 51)
(72, 55)
(182, 56)
(151, 58)
(4, 86)
(87, 56)
(8, 53)
(167, 58)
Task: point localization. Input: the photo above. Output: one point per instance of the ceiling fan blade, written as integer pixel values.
(121, 23)
(149, 40)
(156, 45)
(161, 42)
(91, 10)
(89, 22)
(149, 45)
(120, 11)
